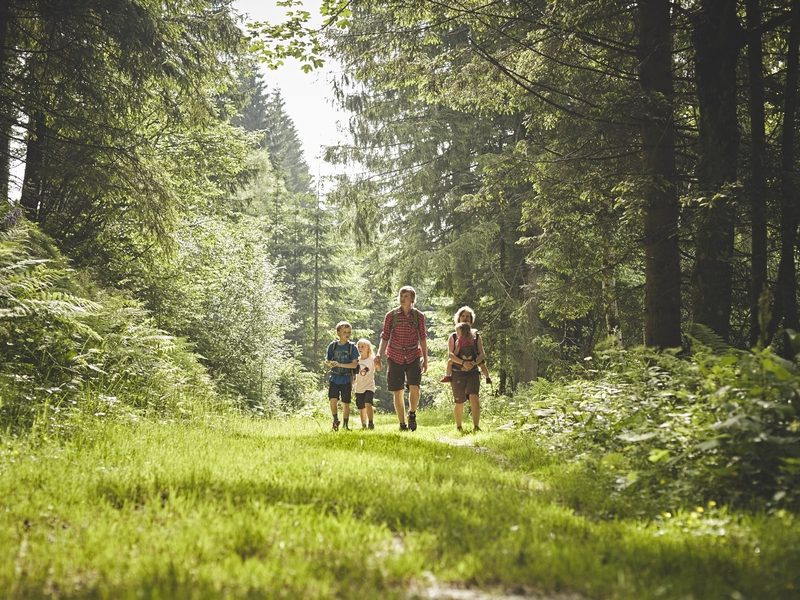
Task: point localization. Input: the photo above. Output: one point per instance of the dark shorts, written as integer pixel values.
(341, 390)
(399, 375)
(364, 398)
(465, 384)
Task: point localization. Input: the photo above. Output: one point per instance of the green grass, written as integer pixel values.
(234, 507)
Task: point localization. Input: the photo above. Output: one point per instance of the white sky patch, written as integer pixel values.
(308, 96)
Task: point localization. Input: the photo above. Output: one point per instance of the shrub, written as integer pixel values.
(61, 349)
(722, 427)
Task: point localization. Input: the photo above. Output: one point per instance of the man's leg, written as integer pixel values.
(413, 397)
(400, 406)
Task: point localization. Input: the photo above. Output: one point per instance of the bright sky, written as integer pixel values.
(308, 96)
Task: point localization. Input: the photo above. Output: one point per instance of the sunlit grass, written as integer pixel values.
(237, 507)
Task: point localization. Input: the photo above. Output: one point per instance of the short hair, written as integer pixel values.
(341, 324)
(463, 309)
(407, 288)
(465, 329)
(367, 342)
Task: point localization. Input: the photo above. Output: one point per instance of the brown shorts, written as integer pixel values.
(398, 375)
(465, 384)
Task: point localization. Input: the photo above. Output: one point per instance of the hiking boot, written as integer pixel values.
(446, 379)
(403, 427)
(336, 425)
(412, 421)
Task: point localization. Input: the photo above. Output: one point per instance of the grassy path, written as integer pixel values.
(240, 508)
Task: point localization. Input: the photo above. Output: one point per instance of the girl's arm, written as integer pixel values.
(451, 346)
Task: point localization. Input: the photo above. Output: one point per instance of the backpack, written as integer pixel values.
(343, 370)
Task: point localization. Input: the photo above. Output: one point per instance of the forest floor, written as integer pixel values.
(235, 507)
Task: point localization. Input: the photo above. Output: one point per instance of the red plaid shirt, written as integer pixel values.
(403, 347)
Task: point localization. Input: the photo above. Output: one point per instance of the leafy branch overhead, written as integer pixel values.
(295, 37)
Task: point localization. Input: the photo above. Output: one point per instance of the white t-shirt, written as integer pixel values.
(365, 377)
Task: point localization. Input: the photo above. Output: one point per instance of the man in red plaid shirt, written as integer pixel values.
(405, 342)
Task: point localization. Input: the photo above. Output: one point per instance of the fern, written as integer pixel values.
(57, 343)
(705, 336)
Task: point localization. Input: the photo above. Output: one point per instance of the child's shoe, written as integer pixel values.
(403, 427)
(336, 425)
(488, 380)
(412, 421)
(371, 425)
(446, 379)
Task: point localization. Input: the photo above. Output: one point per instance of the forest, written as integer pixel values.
(613, 187)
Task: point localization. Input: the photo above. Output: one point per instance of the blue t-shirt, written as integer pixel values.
(342, 353)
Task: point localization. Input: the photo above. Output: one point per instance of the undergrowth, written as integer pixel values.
(659, 428)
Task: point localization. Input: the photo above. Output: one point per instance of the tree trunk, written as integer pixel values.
(316, 273)
(662, 258)
(758, 178)
(6, 119)
(716, 52)
(786, 286)
(610, 304)
(32, 183)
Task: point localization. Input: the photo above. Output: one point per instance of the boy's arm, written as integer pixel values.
(354, 359)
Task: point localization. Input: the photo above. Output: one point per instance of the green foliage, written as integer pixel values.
(295, 37)
(680, 430)
(62, 345)
(222, 291)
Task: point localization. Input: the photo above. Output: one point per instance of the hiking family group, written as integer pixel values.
(403, 343)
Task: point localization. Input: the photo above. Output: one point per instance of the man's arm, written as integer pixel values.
(384, 338)
(381, 350)
(423, 342)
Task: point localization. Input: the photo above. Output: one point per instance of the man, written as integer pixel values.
(405, 343)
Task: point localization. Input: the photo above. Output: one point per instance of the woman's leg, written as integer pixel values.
(475, 405)
(458, 413)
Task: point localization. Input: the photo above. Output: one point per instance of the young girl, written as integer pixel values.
(365, 382)
(464, 317)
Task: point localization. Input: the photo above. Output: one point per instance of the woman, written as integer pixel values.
(466, 382)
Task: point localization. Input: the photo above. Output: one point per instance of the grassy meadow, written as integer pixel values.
(233, 507)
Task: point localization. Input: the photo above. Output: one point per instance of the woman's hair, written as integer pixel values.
(341, 324)
(465, 329)
(463, 309)
(368, 343)
(408, 288)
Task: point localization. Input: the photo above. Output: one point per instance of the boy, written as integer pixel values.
(342, 358)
